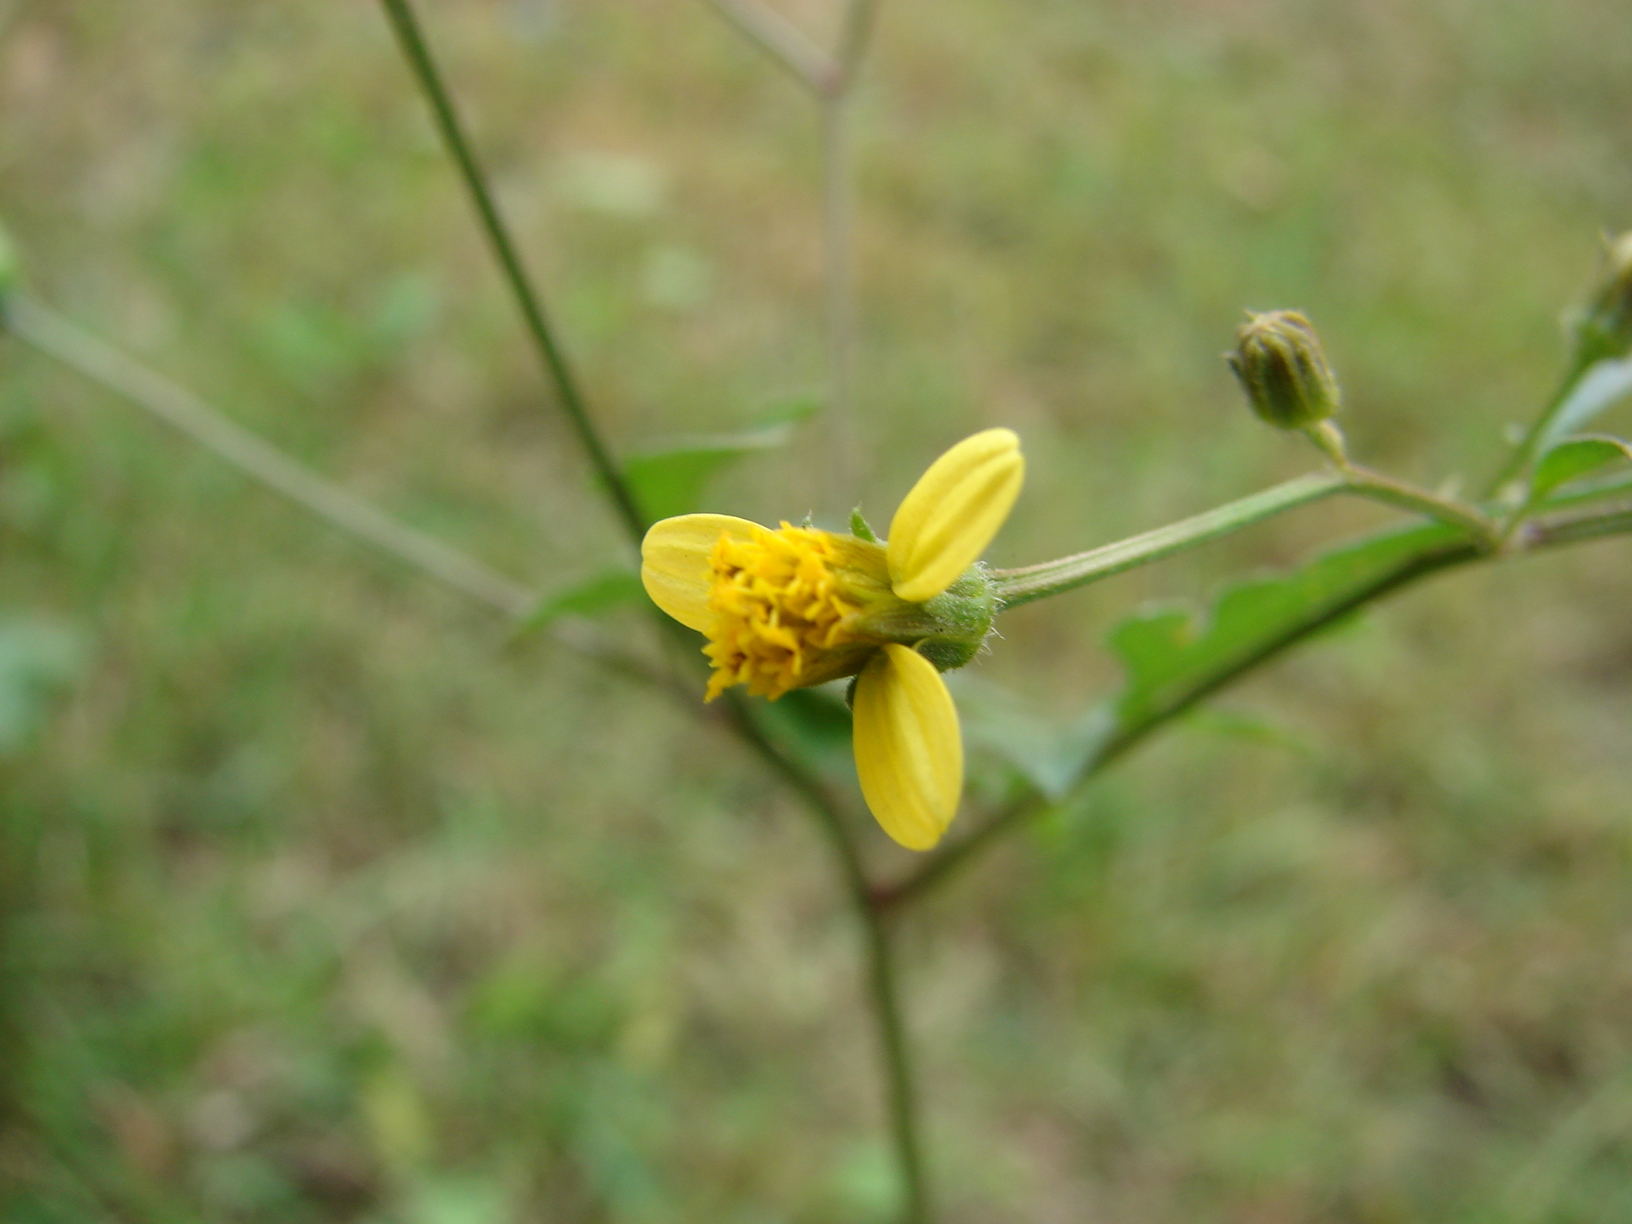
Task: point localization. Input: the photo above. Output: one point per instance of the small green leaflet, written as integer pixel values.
(671, 480)
(1574, 458)
(590, 597)
(1167, 652)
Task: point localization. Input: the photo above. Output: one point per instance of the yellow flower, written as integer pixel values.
(796, 606)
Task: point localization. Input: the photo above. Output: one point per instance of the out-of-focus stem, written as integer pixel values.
(184, 411)
(781, 40)
(418, 54)
(1525, 453)
(283, 474)
(859, 19)
(881, 980)
(838, 224)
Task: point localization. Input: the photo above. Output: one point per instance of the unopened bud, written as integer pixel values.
(1603, 329)
(1283, 370)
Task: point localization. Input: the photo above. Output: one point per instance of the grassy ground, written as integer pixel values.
(320, 902)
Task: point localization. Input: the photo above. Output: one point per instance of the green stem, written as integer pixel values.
(418, 54)
(186, 413)
(859, 19)
(1018, 586)
(336, 505)
(881, 975)
(1403, 496)
(781, 40)
(1434, 557)
(1524, 454)
(903, 1101)
(838, 224)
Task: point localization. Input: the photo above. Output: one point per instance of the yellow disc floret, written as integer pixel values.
(779, 607)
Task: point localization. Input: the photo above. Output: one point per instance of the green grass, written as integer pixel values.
(320, 902)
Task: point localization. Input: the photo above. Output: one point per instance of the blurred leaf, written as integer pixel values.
(459, 1200)
(1048, 753)
(590, 597)
(1597, 391)
(1574, 458)
(671, 480)
(1168, 650)
(37, 658)
(866, 1182)
(815, 722)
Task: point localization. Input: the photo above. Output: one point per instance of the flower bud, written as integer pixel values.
(1604, 328)
(1280, 365)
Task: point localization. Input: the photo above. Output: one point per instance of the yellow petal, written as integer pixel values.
(909, 752)
(952, 513)
(674, 564)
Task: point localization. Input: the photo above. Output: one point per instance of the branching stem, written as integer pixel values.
(1435, 557)
(781, 40)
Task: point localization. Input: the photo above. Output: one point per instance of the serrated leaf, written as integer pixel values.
(1168, 651)
(1574, 458)
(670, 480)
(592, 596)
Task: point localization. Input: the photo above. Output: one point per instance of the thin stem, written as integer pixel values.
(903, 1100)
(417, 51)
(1524, 454)
(781, 40)
(1403, 496)
(185, 412)
(1434, 557)
(838, 224)
(881, 976)
(859, 20)
(1018, 586)
(336, 505)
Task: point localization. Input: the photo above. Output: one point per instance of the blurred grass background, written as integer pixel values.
(320, 903)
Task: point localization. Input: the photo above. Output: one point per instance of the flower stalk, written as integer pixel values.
(1020, 586)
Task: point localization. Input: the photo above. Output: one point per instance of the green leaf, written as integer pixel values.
(1574, 458)
(594, 595)
(671, 480)
(1596, 391)
(814, 722)
(1168, 651)
(1048, 753)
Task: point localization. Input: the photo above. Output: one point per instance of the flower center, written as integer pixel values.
(779, 611)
